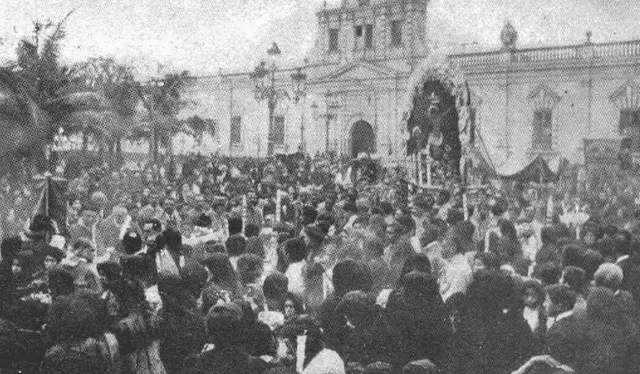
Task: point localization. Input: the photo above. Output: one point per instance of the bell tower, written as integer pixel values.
(371, 30)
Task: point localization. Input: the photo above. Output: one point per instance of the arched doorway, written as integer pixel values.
(363, 139)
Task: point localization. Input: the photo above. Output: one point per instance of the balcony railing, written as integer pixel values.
(616, 50)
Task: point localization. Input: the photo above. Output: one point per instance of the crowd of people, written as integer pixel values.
(320, 266)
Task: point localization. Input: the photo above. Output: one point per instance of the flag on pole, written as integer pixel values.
(52, 202)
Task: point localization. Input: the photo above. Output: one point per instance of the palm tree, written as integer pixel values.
(40, 95)
(116, 83)
(163, 99)
(197, 126)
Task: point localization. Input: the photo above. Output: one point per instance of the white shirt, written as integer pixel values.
(531, 316)
(622, 258)
(456, 276)
(325, 362)
(561, 316)
(294, 274)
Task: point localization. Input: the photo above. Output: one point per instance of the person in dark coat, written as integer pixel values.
(10, 248)
(223, 284)
(79, 342)
(400, 248)
(371, 339)
(630, 271)
(566, 340)
(420, 315)
(612, 339)
(348, 276)
(184, 326)
(533, 296)
(274, 289)
(229, 355)
(494, 337)
(549, 252)
(373, 251)
(610, 276)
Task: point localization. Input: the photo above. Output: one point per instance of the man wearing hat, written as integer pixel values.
(36, 243)
(202, 232)
(85, 228)
(168, 215)
(218, 215)
(111, 229)
(51, 257)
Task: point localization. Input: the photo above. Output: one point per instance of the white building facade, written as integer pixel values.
(525, 101)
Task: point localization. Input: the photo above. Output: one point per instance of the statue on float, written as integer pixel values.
(438, 130)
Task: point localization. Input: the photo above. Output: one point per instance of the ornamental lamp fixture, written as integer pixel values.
(258, 76)
(274, 53)
(299, 80)
(315, 110)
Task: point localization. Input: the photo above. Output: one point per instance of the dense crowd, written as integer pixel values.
(320, 266)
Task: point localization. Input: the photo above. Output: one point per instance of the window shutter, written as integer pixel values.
(236, 130)
(368, 36)
(278, 130)
(333, 40)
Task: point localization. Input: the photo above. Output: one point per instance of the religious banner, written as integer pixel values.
(52, 201)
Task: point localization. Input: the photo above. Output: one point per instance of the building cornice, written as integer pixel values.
(417, 5)
(572, 56)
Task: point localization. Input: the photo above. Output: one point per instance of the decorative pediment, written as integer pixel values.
(358, 72)
(282, 108)
(627, 97)
(543, 98)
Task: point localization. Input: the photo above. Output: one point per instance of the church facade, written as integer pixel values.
(525, 102)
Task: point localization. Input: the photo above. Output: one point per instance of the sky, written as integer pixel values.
(208, 36)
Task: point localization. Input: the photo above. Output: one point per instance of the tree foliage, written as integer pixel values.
(41, 95)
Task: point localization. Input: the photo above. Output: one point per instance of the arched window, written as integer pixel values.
(543, 101)
(627, 99)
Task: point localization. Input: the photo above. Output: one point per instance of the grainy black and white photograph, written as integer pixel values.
(319, 186)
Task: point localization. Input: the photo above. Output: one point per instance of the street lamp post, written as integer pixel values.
(264, 80)
(299, 81)
(331, 107)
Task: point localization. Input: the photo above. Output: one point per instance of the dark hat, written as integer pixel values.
(223, 323)
(424, 201)
(236, 245)
(111, 269)
(90, 205)
(203, 221)
(406, 221)
(171, 285)
(309, 214)
(194, 275)
(132, 242)
(54, 252)
(275, 286)
(295, 249)
(314, 232)
(40, 224)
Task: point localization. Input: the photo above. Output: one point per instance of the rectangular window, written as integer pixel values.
(396, 33)
(630, 127)
(542, 130)
(236, 130)
(358, 31)
(333, 40)
(368, 36)
(278, 130)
